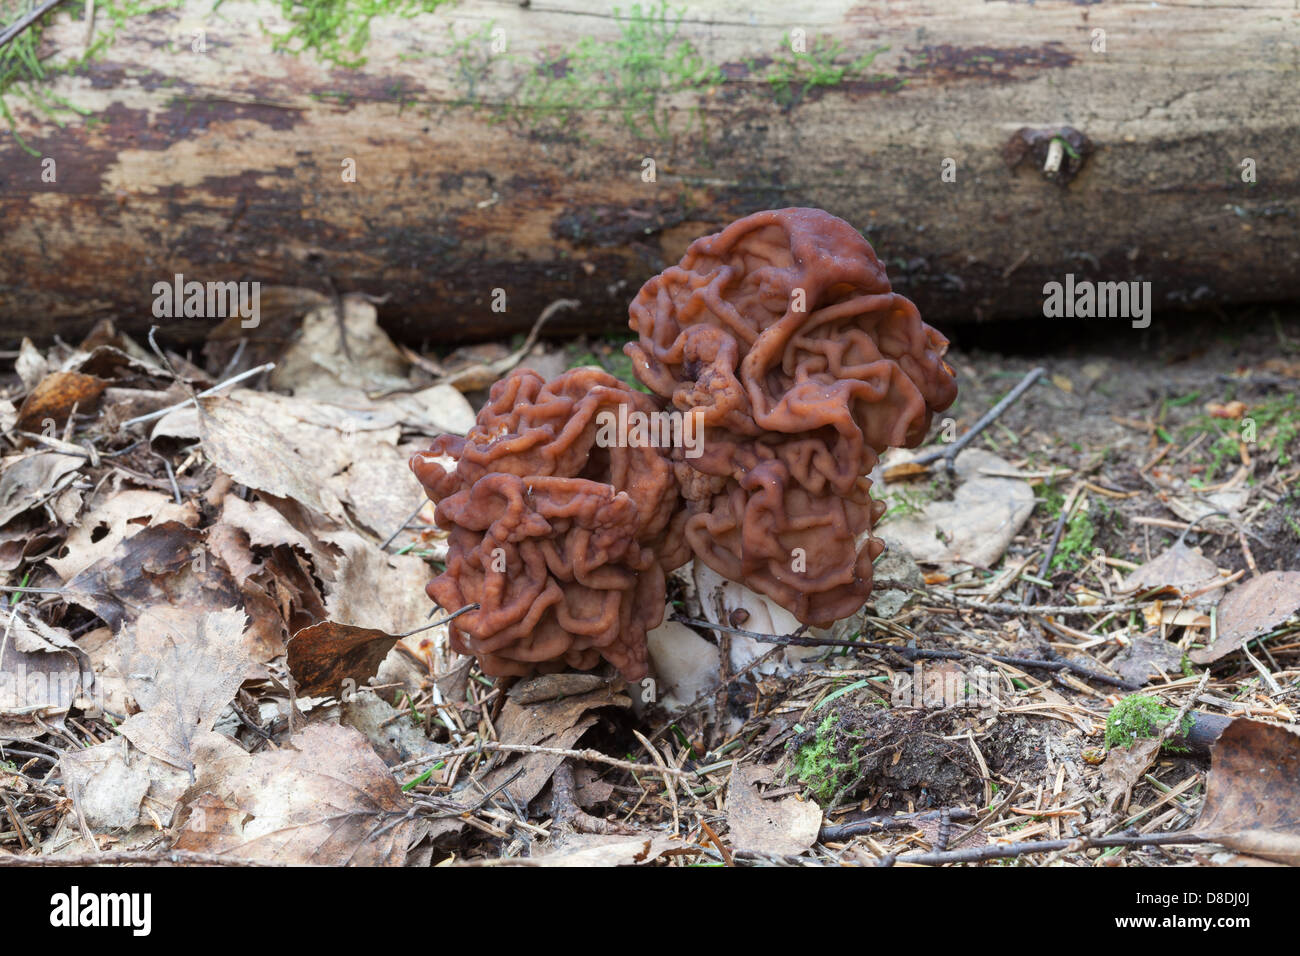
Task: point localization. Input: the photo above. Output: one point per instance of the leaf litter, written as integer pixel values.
(213, 594)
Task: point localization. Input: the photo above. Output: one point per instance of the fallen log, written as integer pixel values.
(488, 158)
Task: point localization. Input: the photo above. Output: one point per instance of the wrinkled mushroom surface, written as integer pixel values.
(563, 543)
(781, 340)
(782, 335)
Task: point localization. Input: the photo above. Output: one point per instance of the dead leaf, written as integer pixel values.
(1147, 657)
(1253, 608)
(166, 565)
(976, 525)
(30, 365)
(29, 479)
(183, 669)
(1179, 569)
(371, 588)
(1123, 768)
(53, 399)
(242, 438)
(1252, 797)
(329, 659)
(105, 785)
(326, 799)
(42, 671)
(394, 734)
(546, 687)
(786, 826)
(116, 518)
(597, 850)
(319, 365)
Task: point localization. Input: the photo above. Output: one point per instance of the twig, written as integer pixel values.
(919, 653)
(589, 755)
(950, 452)
(998, 851)
(450, 617)
(27, 20)
(249, 373)
(402, 526)
(903, 821)
(117, 857)
(566, 814)
(1061, 610)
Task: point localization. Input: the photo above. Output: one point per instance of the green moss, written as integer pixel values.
(1277, 428)
(337, 30)
(611, 359)
(818, 768)
(1141, 717)
(631, 75)
(23, 73)
(792, 75)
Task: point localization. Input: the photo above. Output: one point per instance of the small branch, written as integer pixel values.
(917, 653)
(120, 857)
(402, 527)
(1001, 851)
(591, 756)
(27, 20)
(450, 617)
(1061, 610)
(903, 821)
(950, 452)
(204, 394)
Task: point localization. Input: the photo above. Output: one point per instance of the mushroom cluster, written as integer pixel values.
(780, 345)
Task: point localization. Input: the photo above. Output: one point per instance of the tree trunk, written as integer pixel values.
(506, 147)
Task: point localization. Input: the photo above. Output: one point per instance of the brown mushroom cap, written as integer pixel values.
(562, 542)
(782, 333)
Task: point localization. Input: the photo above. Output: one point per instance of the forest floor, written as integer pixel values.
(217, 643)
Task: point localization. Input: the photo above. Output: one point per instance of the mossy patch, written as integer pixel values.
(338, 30)
(793, 76)
(631, 75)
(1141, 717)
(25, 74)
(856, 751)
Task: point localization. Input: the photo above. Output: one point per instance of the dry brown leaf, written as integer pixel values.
(167, 565)
(317, 365)
(243, 438)
(330, 659)
(42, 671)
(48, 405)
(183, 668)
(28, 479)
(1179, 569)
(596, 850)
(326, 799)
(786, 826)
(117, 517)
(30, 364)
(1124, 767)
(1147, 657)
(1252, 798)
(116, 787)
(976, 525)
(1253, 608)
(371, 588)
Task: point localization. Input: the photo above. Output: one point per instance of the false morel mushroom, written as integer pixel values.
(562, 542)
(779, 343)
(782, 334)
